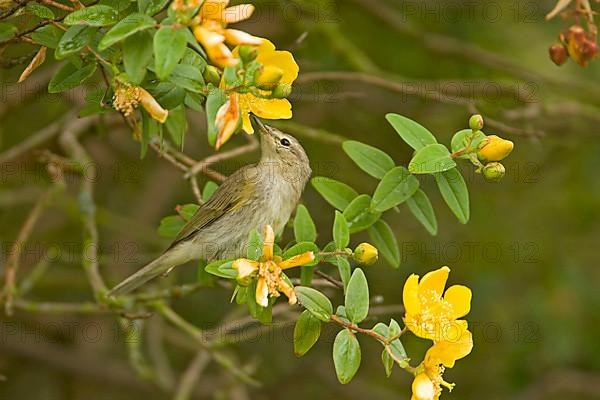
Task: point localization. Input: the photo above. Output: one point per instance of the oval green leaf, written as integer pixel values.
(341, 232)
(370, 159)
(306, 333)
(421, 208)
(346, 355)
(357, 297)
(315, 302)
(137, 55)
(385, 241)
(359, 215)
(431, 159)
(96, 15)
(69, 76)
(126, 27)
(455, 193)
(414, 134)
(304, 226)
(336, 193)
(74, 39)
(169, 47)
(395, 188)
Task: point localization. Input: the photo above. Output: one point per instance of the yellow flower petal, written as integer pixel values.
(281, 59)
(410, 295)
(268, 242)
(246, 123)
(459, 297)
(287, 289)
(423, 388)
(269, 108)
(262, 293)
(434, 281)
(447, 352)
(237, 13)
(298, 260)
(152, 107)
(236, 37)
(207, 37)
(213, 9)
(245, 267)
(227, 120)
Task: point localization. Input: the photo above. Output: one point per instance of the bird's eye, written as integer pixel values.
(285, 142)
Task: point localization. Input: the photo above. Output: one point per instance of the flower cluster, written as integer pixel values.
(127, 97)
(268, 271)
(434, 314)
(576, 44)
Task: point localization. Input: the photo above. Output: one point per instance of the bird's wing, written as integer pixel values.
(231, 194)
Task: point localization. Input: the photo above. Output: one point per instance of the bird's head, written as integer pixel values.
(283, 149)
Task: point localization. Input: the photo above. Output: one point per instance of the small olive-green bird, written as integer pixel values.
(250, 198)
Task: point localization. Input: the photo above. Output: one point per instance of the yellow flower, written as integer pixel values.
(366, 254)
(210, 30)
(227, 120)
(272, 60)
(269, 271)
(428, 314)
(494, 148)
(428, 381)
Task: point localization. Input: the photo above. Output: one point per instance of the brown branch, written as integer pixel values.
(58, 5)
(202, 165)
(14, 257)
(330, 279)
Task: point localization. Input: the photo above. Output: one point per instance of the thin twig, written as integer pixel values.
(191, 375)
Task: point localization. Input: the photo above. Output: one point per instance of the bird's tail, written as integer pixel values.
(157, 267)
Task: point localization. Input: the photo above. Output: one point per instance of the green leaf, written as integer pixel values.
(39, 11)
(177, 124)
(170, 226)
(455, 193)
(216, 98)
(168, 95)
(422, 209)
(69, 76)
(191, 57)
(74, 39)
(222, 269)
(306, 333)
(395, 349)
(188, 77)
(137, 55)
(466, 137)
(388, 362)
(359, 215)
(385, 241)
(169, 47)
(397, 186)
(304, 227)
(336, 193)
(48, 36)
(431, 159)
(151, 7)
(346, 355)
(126, 27)
(357, 297)
(370, 159)
(344, 270)
(96, 15)
(254, 246)
(209, 189)
(187, 211)
(203, 277)
(315, 302)
(7, 31)
(414, 134)
(341, 233)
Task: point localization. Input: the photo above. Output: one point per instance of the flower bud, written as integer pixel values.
(493, 172)
(494, 148)
(558, 54)
(227, 120)
(282, 91)
(476, 122)
(248, 53)
(365, 254)
(268, 76)
(211, 75)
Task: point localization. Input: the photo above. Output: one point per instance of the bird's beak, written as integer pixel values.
(258, 125)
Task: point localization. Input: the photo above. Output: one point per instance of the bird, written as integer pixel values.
(265, 193)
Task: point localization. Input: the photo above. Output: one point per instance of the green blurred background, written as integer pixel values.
(529, 253)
